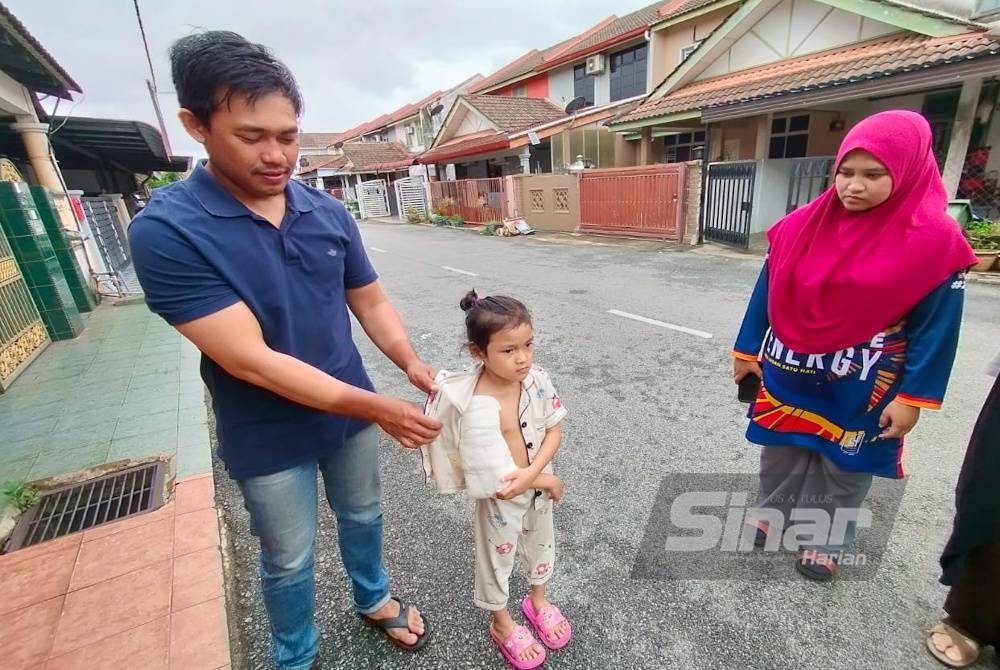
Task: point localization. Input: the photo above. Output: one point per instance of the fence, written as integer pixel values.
(641, 201)
(548, 202)
(475, 200)
(980, 182)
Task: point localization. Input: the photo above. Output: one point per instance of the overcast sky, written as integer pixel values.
(354, 59)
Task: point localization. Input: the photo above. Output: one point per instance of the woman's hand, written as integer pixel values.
(898, 419)
(742, 368)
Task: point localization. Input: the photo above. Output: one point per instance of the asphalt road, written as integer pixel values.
(646, 404)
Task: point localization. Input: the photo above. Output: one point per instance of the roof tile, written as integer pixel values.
(376, 155)
(318, 140)
(641, 18)
(468, 145)
(869, 60)
(511, 114)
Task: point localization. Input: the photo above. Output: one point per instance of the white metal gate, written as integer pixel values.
(411, 194)
(374, 199)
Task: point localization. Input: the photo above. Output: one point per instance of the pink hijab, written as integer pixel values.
(837, 278)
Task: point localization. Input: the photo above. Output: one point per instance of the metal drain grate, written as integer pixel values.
(91, 503)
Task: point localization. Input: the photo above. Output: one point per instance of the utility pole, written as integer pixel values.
(159, 117)
(151, 82)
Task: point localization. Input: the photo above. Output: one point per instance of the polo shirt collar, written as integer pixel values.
(217, 201)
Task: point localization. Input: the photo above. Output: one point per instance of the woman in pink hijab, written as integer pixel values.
(852, 328)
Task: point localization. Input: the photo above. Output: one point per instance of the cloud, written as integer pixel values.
(354, 60)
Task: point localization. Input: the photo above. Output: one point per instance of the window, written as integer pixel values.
(413, 135)
(940, 110)
(593, 143)
(684, 147)
(789, 137)
(628, 73)
(688, 50)
(583, 84)
(520, 92)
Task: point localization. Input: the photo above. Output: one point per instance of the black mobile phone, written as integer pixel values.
(749, 388)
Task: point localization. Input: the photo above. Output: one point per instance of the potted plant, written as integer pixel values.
(413, 215)
(353, 207)
(984, 236)
(445, 206)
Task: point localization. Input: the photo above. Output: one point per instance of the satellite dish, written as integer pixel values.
(437, 109)
(303, 162)
(338, 145)
(576, 104)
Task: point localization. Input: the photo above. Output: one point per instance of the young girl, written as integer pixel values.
(519, 514)
(855, 319)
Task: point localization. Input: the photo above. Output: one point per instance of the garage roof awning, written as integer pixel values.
(133, 145)
(25, 60)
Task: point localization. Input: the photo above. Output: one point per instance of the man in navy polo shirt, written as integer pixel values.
(260, 272)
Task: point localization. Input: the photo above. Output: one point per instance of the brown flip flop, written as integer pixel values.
(966, 646)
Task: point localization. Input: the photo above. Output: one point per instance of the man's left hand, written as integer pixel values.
(422, 376)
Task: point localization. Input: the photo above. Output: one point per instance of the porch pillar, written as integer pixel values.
(646, 146)
(36, 143)
(958, 146)
(525, 157)
(319, 183)
(762, 144)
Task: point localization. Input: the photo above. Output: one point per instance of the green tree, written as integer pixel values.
(164, 178)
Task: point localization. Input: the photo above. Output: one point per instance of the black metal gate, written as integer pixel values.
(810, 177)
(729, 203)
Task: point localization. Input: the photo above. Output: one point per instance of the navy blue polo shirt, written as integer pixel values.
(198, 250)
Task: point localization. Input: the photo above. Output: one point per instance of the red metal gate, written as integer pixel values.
(476, 200)
(643, 201)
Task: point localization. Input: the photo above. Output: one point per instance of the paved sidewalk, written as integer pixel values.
(127, 387)
(146, 592)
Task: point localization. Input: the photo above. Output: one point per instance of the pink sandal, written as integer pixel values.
(545, 622)
(514, 645)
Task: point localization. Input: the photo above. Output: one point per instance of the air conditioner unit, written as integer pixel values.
(595, 64)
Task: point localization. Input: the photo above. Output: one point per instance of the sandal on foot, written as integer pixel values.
(545, 622)
(816, 566)
(966, 646)
(402, 620)
(515, 644)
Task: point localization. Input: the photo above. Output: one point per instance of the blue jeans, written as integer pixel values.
(283, 515)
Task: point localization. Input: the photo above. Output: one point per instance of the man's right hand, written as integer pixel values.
(742, 368)
(407, 424)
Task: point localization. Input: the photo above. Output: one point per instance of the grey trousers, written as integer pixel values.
(800, 483)
(503, 529)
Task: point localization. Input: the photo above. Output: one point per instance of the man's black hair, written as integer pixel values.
(211, 67)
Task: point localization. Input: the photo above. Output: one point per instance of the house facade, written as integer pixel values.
(606, 70)
(768, 95)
